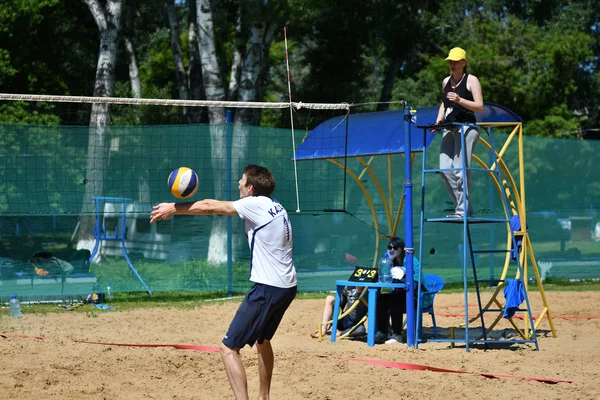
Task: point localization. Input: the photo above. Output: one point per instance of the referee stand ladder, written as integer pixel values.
(120, 232)
(483, 333)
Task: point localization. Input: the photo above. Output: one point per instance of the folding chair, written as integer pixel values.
(434, 284)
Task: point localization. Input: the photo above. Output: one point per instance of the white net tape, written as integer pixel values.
(172, 102)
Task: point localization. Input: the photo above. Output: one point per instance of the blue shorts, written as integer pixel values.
(259, 315)
(345, 323)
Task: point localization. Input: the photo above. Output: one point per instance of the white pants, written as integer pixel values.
(451, 157)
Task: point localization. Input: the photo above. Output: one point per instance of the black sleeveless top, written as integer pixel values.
(454, 112)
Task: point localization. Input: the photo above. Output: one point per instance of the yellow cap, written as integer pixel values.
(456, 54)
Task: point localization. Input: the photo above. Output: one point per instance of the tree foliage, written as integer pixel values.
(539, 58)
(540, 66)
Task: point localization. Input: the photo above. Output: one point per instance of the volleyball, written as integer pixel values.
(183, 182)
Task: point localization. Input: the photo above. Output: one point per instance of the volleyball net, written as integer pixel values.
(49, 168)
(66, 184)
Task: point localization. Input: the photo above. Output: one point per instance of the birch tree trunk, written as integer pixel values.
(136, 92)
(194, 73)
(108, 19)
(215, 90)
(253, 71)
(254, 64)
(254, 67)
(180, 76)
(134, 71)
(236, 62)
(211, 73)
(127, 34)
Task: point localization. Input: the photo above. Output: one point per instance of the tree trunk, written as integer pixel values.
(388, 84)
(236, 62)
(180, 76)
(254, 62)
(108, 20)
(211, 73)
(264, 66)
(194, 74)
(136, 92)
(253, 72)
(127, 33)
(134, 72)
(254, 69)
(214, 89)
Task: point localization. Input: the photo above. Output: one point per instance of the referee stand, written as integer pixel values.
(468, 260)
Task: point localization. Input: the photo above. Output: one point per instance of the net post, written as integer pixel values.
(229, 141)
(408, 229)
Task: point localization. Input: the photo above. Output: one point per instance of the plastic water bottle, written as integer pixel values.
(109, 294)
(385, 269)
(15, 307)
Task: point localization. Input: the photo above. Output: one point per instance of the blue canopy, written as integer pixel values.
(379, 133)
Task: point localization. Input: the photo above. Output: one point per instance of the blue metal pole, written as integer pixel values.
(228, 135)
(122, 237)
(492, 193)
(466, 238)
(408, 231)
(419, 317)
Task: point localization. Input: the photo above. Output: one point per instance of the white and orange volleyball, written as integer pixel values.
(183, 182)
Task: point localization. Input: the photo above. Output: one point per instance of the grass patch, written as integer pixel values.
(190, 300)
(550, 284)
(564, 284)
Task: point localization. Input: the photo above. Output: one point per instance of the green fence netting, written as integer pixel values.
(46, 206)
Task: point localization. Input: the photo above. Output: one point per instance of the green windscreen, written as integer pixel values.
(55, 199)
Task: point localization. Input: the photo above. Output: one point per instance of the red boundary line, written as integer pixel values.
(6, 335)
(387, 364)
(406, 366)
(208, 349)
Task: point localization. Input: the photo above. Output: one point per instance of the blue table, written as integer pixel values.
(372, 305)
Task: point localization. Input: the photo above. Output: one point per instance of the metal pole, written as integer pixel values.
(408, 232)
(228, 136)
(492, 194)
(466, 233)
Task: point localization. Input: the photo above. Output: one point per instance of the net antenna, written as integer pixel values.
(289, 82)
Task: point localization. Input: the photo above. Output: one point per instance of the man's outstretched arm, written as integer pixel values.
(201, 207)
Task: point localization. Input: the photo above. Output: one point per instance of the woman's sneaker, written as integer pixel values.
(394, 339)
(380, 337)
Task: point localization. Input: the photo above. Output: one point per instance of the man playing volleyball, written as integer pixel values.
(272, 270)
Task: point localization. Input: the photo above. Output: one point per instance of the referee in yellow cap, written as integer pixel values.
(462, 99)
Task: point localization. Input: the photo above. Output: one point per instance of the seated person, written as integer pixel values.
(392, 302)
(350, 295)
